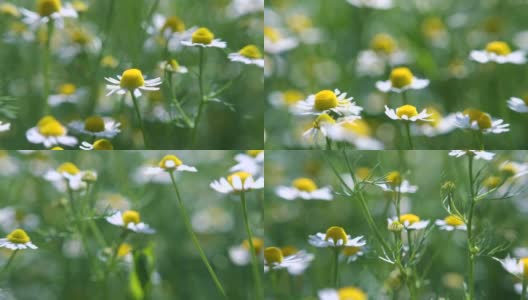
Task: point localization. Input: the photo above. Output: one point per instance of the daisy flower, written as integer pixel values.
(375, 4)
(348, 293)
(477, 154)
(498, 52)
(275, 259)
(304, 188)
(173, 66)
(252, 162)
(275, 42)
(475, 119)
(320, 126)
(239, 8)
(351, 253)
(356, 132)
(131, 220)
(12, 218)
(516, 267)
(66, 173)
(203, 37)
(510, 169)
(9, 9)
(170, 163)
(335, 236)
(401, 79)
(131, 80)
(81, 41)
(287, 98)
(240, 254)
(304, 261)
(48, 10)
(67, 93)
(409, 222)
(451, 222)
(437, 124)
(249, 55)
(236, 182)
(171, 29)
(518, 104)
(4, 126)
(302, 26)
(407, 113)
(101, 144)
(50, 132)
(16, 240)
(327, 101)
(395, 183)
(96, 126)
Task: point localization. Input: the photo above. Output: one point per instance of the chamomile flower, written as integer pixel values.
(237, 182)
(212, 220)
(510, 169)
(276, 259)
(170, 163)
(203, 37)
(383, 51)
(173, 66)
(287, 98)
(66, 173)
(239, 8)
(4, 126)
(252, 162)
(67, 93)
(474, 119)
(101, 144)
(50, 132)
(12, 218)
(335, 236)
(345, 293)
(516, 267)
(81, 41)
(356, 132)
(320, 126)
(518, 104)
(327, 101)
(47, 11)
(375, 4)
(16, 240)
(240, 254)
(351, 253)
(249, 55)
(96, 126)
(131, 220)
(437, 124)
(275, 42)
(17, 32)
(395, 183)
(304, 188)
(131, 80)
(450, 223)
(171, 29)
(401, 79)
(477, 154)
(8, 9)
(498, 52)
(407, 113)
(409, 222)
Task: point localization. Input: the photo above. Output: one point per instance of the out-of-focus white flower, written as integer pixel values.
(518, 104)
(48, 11)
(498, 52)
(237, 182)
(275, 42)
(304, 188)
(409, 222)
(239, 8)
(401, 79)
(252, 162)
(477, 154)
(375, 4)
(203, 37)
(474, 119)
(131, 220)
(348, 293)
(451, 222)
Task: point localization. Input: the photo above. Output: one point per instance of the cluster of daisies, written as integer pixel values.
(95, 132)
(336, 120)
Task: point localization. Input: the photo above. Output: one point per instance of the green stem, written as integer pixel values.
(9, 261)
(202, 99)
(409, 241)
(336, 267)
(523, 292)
(404, 97)
(195, 241)
(328, 144)
(140, 120)
(471, 271)
(186, 118)
(45, 66)
(112, 261)
(408, 131)
(254, 261)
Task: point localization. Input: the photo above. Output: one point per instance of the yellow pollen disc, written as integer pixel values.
(131, 216)
(525, 99)
(435, 117)
(49, 126)
(273, 255)
(411, 218)
(109, 61)
(508, 169)
(351, 293)
(304, 184)
(242, 175)
(394, 178)
(94, 124)
(351, 250)
(291, 97)
(362, 173)
(202, 36)
(170, 162)
(45, 8)
(18, 236)
(132, 79)
(432, 27)
(358, 127)
(174, 24)
(524, 262)
(401, 77)
(251, 51)
(272, 34)
(406, 110)
(9, 9)
(336, 233)
(492, 182)
(323, 119)
(123, 249)
(324, 100)
(483, 120)
(103, 144)
(499, 48)
(67, 89)
(172, 64)
(254, 153)
(57, 148)
(454, 220)
(289, 250)
(383, 43)
(80, 37)
(258, 245)
(299, 23)
(69, 168)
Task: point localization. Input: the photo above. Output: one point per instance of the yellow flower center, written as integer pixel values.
(323, 119)
(170, 162)
(80, 37)
(131, 216)
(406, 110)
(411, 218)
(45, 8)
(304, 184)
(483, 119)
(524, 262)
(251, 51)
(57, 148)
(508, 169)
(258, 245)
(69, 168)
(435, 117)
(394, 178)
(273, 255)
(492, 182)
(242, 175)
(132, 79)
(453, 220)
(351, 250)
(174, 24)
(49, 126)
(123, 249)
(272, 34)
(202, 36)
(289, 250)
(362, 173)
(94, 124)
(432, 27)
(9, 9)
(67, 89)
(499, 48)
(383, 43)
(18, 236)
(358, 127)
(254, 153)
(324, 100)
(103, 144)
(109, 61)
(336, 233)
(172, 65)
(351, 293)
(291, 97)
(401, 77)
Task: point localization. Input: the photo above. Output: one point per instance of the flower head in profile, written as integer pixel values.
(50, 132)
(132, 81)
(356, 132)
(516, 267)
(400, 80)
(498, 52)
(335, 236)
(275, 259)
(304, 188)
(249, 55)
(16, 240)
(131, 220)
(451, 222)
(407, 113)
(276, 42)
(474, 119)
(100, 144)
(351, 253)
(48, 11)
(394, 182)
(203, 37)
(320, 126)
(409, 222)
(436, 124)
(327, 101)
(240, 255)
(374, 4)
(252, 162)
(237, 182)
(345, 293)
(518, 104)
(170, 163)
(66, 173)
(239, 8)
(173, 66)
(168, 31)
(66, 93)
(477, 154)
(96, 126)
(287, 98)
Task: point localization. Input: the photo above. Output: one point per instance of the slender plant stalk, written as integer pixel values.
(186, 118)
(523, 292)
(254, 262)
(45, 66)
(195, 241)
(404, 97)
(202, 99)
(336, 267)
(9, 261)
(328, 144)
(140, 120)
(471, 271)
(408, 131)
